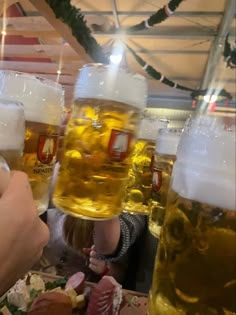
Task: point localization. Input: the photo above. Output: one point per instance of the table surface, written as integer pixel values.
(133, 303)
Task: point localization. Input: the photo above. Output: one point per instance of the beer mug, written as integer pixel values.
(43, 102)
(164, 157)
(12, 133)
(195, 268)
(99, 138)
(139, 185)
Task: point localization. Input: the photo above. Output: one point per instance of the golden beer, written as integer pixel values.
(13, 158)
(41, 141)
(195, 268)
(164, 157)
(139, 185)
(99, 138)
(43, 105)
(12, 132)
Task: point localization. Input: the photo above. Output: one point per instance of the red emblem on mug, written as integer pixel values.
(156, 180)
(119, 143)
(47, 147)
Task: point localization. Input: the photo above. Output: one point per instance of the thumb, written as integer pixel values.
(4, 175)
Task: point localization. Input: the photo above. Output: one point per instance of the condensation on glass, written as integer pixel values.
(43, 102)
(100, 136)
(195, 266)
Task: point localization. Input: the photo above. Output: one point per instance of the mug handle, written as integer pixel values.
(4, 175)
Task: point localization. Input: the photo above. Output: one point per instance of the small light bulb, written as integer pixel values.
(58, 71)
(210, 98)
(4, 33)
(116, 58)
(117, 52)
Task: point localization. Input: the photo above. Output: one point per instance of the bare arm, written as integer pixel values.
(113, 238)
(22, 234)
(107, 236)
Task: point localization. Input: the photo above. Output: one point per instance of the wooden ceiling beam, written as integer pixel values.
(58, 51)
(66, 80)
(28, 26)
(60, 27)
(23, 23)
(41, 67)
(38, 51)
(29, 33)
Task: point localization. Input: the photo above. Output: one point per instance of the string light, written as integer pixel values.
(210, 98)
(4, 33)
(115, 59)
(117, 52)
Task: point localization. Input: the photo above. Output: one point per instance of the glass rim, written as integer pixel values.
(110, 66)
(43, 80)
(4, 101)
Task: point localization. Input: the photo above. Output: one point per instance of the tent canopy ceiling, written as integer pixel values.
(186, 47)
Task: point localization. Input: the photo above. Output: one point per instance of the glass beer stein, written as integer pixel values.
(195, 268)
(43, 102)
(99, 138)
(164, 157)
(139, 185)
(12, 133)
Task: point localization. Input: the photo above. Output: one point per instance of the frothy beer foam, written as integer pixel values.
(110, 83)
(205, 166)
(12, 125)
(168, 140)
(43, 99)
(149, 128)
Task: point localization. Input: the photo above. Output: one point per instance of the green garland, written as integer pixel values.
(73, 17)
(158, 17)
(157, 75)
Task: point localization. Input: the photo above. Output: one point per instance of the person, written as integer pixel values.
(123, 243)
(78, 234)
(102, 267)
(128, 235)
(71, 249)
(22, 234)
(71, 243)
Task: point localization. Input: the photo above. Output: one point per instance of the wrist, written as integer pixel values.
(105, 271)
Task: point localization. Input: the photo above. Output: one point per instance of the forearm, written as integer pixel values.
(13, 263)
(10, 262)
(4, 272)
(8, 275)
(113, 238)
(7, 251)
(107, 236)
(22, 234)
